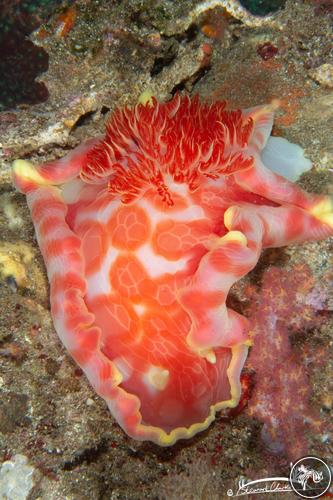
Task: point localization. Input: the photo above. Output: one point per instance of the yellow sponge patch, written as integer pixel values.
(146, 98)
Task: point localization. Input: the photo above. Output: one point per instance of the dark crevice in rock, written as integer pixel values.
(88, 456)
(189, 35)
(20, 63)
(105, 110)
(83, 119)
(165, 58)
(188, 83)
(170, 48)
(160, 63)
(20, 60)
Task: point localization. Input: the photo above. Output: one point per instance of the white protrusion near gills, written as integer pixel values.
(285, 158)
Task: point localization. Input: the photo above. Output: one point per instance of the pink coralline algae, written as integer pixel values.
(144, 231)
(281, 397)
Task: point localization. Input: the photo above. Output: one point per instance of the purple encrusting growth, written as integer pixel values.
(282, 392)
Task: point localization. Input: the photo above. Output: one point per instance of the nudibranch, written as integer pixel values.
(143, 232)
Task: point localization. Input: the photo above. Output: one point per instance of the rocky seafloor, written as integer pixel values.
(81, 61)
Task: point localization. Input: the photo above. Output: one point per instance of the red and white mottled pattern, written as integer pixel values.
(143, 233)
